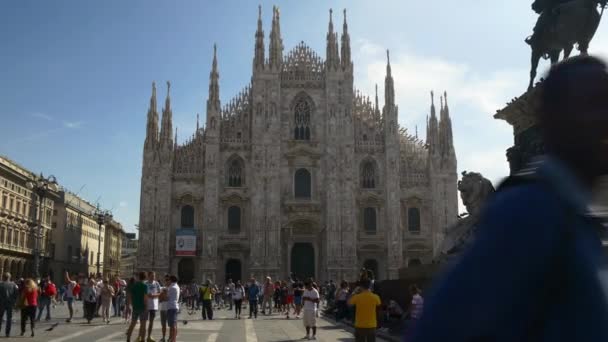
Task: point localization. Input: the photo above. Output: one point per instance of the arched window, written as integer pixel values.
(369, 220)
(235, 173)
(187, 216)
(368, 175)
(413, 220)
(234, 220)
(302, 184)
(302, 113)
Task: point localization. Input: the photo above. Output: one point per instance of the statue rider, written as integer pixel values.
(548, 16)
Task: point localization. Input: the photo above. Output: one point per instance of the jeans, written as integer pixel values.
(28, 312)
(341, 309)
(238, 303)
(115, 306)
(207, 309)
(253, 308)
(8, 308)
(44, 302)
(89, 310)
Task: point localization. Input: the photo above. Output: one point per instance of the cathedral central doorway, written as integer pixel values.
(303, 260)
(233, 270)
(185, 270)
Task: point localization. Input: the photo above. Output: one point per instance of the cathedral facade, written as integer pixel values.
(298, 174)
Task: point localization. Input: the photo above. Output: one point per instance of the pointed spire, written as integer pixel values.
(446, 139)
(213, 102)
(197, 126)
(166, 129)
(175, 142)
(258, 61)
(346, 59)
(152, 124)
(377, 105)
(276, 42)
(332, 59)
(432, 128)
(389, 85)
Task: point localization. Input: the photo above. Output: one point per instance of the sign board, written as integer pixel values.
(185, 242)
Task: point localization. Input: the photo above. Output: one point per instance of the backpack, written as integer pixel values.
(50, 290)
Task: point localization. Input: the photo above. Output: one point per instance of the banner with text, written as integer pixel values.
(185, 242)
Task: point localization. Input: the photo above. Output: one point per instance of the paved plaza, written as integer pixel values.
(224, 328)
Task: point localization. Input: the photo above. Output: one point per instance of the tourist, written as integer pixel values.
(47, 292)
(99, 286)
(107, 294)
(152, 302)
(70, 295)
(206, 292)
(535, 270)
(289, 288)
(172, 308)
(252, 296)
(268, 292)
(217, 296)
(238, 293)
(89, 300)
(366, 305)
(228, 294)
(29, 302)
(310, 297)
(138, 295)
(162, 306)
(277, 296)
(298, 292)
(341, 300)
(9, 292)
(128, 300)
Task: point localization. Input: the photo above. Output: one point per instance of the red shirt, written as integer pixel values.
(31, 297)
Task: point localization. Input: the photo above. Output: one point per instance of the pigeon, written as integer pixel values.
(185, 322)
(52, 327)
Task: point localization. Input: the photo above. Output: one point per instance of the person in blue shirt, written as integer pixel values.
(536, 270)
(253, 292)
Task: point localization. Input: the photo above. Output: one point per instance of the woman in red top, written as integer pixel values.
(29, 297)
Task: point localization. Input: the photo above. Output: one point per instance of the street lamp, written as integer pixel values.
(40, 186)
(103, 217)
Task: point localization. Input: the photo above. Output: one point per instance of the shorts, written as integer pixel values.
(289, 299)
(163, 317)
(309, 318)
(139, 315)
(298, 300)
(172, 318)
(150, 314)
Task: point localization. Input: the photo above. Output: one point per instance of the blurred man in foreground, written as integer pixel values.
(536, 271)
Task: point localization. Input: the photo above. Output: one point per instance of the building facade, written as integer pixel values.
(298, 173)
(128, 258)
(76, 237)
(112, 249)
(19, 220)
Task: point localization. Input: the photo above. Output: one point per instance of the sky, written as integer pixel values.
(75, 76)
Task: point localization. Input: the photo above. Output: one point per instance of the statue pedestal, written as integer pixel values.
(521, 113)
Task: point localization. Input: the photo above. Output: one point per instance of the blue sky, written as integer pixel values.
(75, 75)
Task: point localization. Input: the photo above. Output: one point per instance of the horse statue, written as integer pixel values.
(561, 25)
(474, 192)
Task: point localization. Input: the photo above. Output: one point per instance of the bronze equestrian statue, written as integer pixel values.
(561, 24)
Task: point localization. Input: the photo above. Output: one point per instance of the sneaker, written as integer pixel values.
(68, 320)
(150, 339)
(307, 337)
(313, 337)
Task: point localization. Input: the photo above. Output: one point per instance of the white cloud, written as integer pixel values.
(43, 116)
(481, 141)
(72, 124)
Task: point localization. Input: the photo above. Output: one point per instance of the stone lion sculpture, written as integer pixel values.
(474, 192)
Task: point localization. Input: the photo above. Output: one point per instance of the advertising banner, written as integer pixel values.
(185, 242)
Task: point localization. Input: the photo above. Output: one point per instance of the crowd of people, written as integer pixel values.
(142, 299)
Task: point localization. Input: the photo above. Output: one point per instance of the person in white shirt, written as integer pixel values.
(310, 298)
(172, 308)
(152, 304)
(162, 306)
(238, 293)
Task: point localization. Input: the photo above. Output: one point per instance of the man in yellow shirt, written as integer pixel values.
(366, 304)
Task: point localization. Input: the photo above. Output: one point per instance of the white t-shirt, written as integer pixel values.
(417, 306)
(238, 293)
(162, 306)
(69, 293)
(173, 297)
(310, 294)
(153, 289)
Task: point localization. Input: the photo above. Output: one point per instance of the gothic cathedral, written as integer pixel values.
(298, 174)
